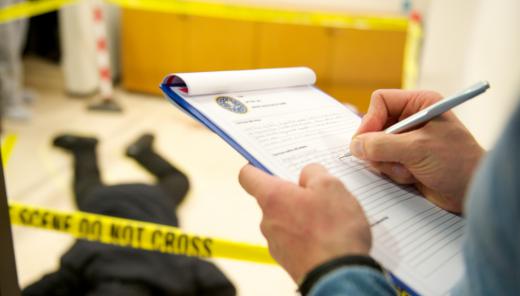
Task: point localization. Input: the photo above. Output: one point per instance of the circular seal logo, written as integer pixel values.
(231, 104)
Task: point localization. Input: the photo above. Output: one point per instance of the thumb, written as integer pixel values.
(382, 147)
(255, 181)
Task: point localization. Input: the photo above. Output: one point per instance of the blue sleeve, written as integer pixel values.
(353, 280)
(492, 243)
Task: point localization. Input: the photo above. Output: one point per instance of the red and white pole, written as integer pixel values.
(106, 89)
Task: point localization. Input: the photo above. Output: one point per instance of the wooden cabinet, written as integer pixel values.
(349, 63)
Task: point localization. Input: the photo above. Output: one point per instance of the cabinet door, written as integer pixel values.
(218, 44)
(367, 56)
(153, 45)
(283, 45)
(363, 61)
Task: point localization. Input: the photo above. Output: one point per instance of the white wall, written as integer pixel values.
(493, 54)
(467, 41)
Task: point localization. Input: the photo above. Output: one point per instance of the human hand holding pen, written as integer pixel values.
(434, 110)
(439, 158)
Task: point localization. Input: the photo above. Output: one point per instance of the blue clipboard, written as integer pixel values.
(194, 113)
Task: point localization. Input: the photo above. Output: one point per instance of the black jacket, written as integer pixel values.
(91, 268)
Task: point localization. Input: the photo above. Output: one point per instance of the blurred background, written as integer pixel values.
(93, 68)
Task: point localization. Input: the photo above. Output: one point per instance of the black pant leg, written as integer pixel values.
(176, 186)
(174, 182)
(86, 174)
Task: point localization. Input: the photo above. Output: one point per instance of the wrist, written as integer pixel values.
(471, 169)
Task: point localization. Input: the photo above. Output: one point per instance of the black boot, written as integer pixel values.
(170, 179)
(72, 142)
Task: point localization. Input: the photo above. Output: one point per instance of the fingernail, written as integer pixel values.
(357, 148)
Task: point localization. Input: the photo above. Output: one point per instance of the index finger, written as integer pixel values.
(388, 106)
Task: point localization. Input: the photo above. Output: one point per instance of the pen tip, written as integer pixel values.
(345, 155)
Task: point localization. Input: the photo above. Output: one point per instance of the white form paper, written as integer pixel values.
(286, 129)
(203, 83)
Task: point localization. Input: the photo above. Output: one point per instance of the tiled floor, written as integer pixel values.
(41, 175)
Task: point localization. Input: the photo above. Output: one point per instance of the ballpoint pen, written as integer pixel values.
(434, 110)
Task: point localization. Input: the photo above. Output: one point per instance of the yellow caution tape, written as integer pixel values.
(30, 8)
(411, 57)
(221, 10)
(261, 14)
(135, 234)
(7, 148)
